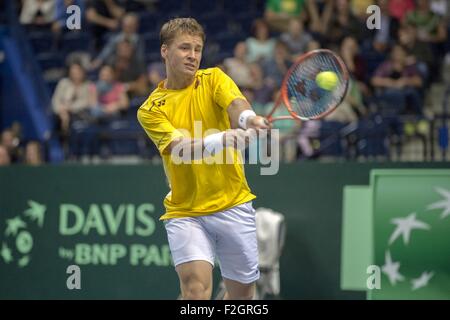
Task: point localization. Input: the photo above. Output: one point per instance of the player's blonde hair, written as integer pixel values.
(176, 26)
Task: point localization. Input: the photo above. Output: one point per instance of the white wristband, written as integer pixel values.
(213, 143)
(244, 116)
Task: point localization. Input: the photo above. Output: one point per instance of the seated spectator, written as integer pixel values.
(237, 67)
(4, 156)
(277, 66)
(71, 99)
(104, 16)
(318, 12)
(399, 8)
(356, 64)
(399, 84)
(296, 38)
(11, 142)
(260, 46)
(419, 52)
(341, 23)
(430, 27)
(359, 8)
(37, 12)
(129, 69)
(388, 27)
(107, 96)
(129, 32)
(33, 153)
(279, 12)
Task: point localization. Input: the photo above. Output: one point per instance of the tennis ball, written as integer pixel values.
(327, 80)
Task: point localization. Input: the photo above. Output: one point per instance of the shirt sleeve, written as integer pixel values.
(224, 88)
(157, 126)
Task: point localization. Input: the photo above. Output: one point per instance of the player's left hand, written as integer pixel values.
(258, 122)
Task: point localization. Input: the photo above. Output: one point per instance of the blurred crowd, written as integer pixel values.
(391, 67)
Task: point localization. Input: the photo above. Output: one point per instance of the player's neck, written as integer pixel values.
(177, 82)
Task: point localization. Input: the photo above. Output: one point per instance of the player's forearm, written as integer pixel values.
(235, 109)
(194, 149)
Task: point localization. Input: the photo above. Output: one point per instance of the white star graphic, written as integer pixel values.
(14, 225)
(444, 204)
(422, 281)
(405, 226)
(390, 268)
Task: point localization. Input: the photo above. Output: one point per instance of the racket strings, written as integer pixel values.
(306, 98)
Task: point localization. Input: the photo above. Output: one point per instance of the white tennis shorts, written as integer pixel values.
(229, 234)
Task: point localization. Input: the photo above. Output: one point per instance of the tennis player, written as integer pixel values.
(209, 209)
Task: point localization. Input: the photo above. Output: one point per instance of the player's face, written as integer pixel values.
(184, 54)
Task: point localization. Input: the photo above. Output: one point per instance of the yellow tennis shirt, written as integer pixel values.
(197, 188)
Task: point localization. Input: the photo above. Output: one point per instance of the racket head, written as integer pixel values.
(301, 94)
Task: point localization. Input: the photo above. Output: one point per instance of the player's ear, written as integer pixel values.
(164, 51)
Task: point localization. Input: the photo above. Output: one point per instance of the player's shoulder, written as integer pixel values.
(209, 72)
(153, 99)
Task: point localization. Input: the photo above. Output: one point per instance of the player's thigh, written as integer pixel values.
(237, 244)
(189, 241)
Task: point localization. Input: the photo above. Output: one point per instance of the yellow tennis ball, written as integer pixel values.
(327, 80)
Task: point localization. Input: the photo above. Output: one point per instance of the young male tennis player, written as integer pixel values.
(209, 209)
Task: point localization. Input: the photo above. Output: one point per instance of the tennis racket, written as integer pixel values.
(301, 94)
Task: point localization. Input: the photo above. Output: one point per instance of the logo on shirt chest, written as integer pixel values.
(158, 103)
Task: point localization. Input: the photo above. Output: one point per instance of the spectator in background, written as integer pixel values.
(356, 64)
(107, 96)
(279, 12)
(399, 8)
(359, 8)
(317, 11)
(129, 69)
(260, 46)
(277, 66)
(296, 38)
(419, 52)
(398, 84)
(71, 99)
(238, 68)
(12, 144)
(37, 12)
(341, 22)
(104, 16)
(430, 27)
(61, 15)
(4, 156)
(33, 153)
(388, 27)
(129, 32)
